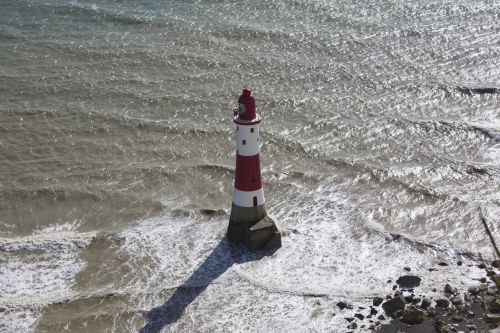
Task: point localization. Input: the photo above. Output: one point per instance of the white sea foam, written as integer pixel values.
(37, 271)
(324, 259)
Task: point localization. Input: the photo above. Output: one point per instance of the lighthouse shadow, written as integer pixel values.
(224, 255)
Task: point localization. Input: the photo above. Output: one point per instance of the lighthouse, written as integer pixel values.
(249, 223)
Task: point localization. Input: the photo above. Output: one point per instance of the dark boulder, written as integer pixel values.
(442, 303)
(413, 316)
(352, 326)
(492, 318)
(377, 301)
(449, 289)
(359, 316)
(426, 303)
(393, 305)
(409, 281)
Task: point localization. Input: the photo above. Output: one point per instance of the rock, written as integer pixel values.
(398, 293)
(432, 269)
(377, 301)
(457, 318)
(398, 314)
(496, 263)
(473, 290)
(494, 306)
(407, 269)
(456, 301)
(449, 289)
(359, 316)
(492, 318)
(459, 263)
(426, 303)
(409, 281)
(413, 316)
(352, 326)
(373, 311)
(442, 263)
(442, 303)
(342, 305)
(381, 317)
(482, 266)
(391, 306)
(482, 280)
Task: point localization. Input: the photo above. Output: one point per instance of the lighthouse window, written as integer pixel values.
(254, 201)
(237, 128)
(244, 142)
(251, 129)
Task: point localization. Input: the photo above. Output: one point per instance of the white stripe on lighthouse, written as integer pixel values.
(246, 198)
(247, 142)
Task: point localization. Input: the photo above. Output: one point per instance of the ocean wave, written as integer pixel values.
(53, 194)
(478, 90)
(48, 242)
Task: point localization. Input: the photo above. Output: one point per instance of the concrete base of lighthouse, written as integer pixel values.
(253, 227)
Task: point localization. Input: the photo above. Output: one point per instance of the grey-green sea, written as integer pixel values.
(380, 151)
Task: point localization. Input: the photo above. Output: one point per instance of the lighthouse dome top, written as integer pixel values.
(246, 105)
(245, 114)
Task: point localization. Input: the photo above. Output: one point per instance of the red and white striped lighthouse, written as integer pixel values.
(249, 223)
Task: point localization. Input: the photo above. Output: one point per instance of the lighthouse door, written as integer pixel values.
(255, 201)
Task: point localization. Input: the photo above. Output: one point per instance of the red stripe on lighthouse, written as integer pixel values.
(247, 176)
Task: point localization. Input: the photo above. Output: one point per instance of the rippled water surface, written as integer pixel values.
(381, 149)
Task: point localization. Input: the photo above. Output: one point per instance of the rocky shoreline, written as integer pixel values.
(408, 310)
